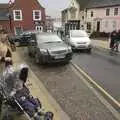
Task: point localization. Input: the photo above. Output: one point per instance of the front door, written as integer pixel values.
(98, 26)
(39, 28)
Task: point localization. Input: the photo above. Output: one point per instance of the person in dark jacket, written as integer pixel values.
(118, 40)
(113, 38)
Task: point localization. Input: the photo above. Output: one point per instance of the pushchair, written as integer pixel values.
(16, 97)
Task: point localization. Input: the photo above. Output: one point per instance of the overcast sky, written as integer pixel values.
(53, 7)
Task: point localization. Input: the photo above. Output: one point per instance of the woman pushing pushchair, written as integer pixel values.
(17, 95)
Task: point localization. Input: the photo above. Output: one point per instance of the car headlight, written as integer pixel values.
(43, 51)
(89, 43)
(73, 44)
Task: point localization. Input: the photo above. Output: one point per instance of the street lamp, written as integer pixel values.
(10, 21)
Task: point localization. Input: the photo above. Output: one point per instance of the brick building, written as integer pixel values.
(22, 15)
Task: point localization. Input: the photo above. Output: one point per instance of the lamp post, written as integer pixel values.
(9, 15)
(10, 22)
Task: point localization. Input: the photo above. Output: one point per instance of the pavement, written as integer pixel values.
(39, 91)
(101, 44)
(71, 91)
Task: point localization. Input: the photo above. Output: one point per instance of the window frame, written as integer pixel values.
(114, 24)
(34, 15)
(15, 31)
(21, 17)
(116, 11)
(106, 23)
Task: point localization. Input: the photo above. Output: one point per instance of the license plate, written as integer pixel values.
(59, 56)
(81, 46)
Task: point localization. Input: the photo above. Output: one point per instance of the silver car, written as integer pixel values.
(79, 39)
(48, 48)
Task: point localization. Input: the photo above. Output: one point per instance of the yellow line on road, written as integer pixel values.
(96, 84)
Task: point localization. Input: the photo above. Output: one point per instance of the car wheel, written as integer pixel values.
(37, 59)
(67, 62)
(89, 50)
(40, 62)
(17, 43)
(29, 53)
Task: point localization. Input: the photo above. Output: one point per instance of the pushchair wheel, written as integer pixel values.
(39, 103)
(48, 116)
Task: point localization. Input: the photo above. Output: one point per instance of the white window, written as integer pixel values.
(36, 15)
(115, 11)
(114, 24)
(18, 30)
(106, 24)
(17, 15)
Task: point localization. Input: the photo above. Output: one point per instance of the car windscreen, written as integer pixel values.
(79, 34)
(48, 39)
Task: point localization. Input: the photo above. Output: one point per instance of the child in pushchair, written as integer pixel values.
(18, 95)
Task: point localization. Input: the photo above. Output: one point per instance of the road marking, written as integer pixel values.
(97, 94)
(96, 84)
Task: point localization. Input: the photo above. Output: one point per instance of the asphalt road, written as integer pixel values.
(69, 90)
(103, 68)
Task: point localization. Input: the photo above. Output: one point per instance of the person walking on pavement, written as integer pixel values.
(113, 38)
(118, 41)
(61, 33)
(5, 50)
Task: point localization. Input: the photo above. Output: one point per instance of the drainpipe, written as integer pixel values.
(85, 19)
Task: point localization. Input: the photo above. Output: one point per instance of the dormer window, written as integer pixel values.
(17, 15)
(36, 15)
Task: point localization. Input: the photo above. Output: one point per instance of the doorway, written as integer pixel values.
(98, 26)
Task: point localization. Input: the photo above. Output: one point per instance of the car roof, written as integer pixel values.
(30, 31)
(77, 30)
(49, 35)
(46, 33)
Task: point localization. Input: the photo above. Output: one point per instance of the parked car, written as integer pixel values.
(12, 42)
(16, 39)
(79, 39)
(49, 48)
(22, 39)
